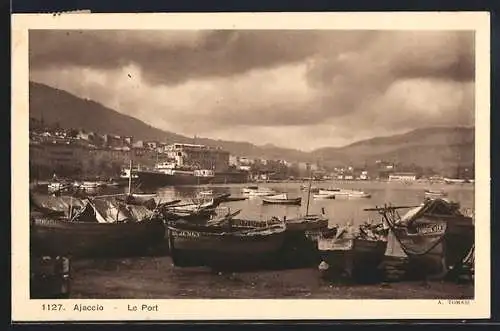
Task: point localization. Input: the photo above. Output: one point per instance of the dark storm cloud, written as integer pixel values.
(356, 81)
(169, 61)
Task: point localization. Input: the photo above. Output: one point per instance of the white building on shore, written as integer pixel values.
(403, 177)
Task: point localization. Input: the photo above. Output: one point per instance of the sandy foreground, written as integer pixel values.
(157, 278)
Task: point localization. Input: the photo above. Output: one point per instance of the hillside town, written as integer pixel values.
(75, 152)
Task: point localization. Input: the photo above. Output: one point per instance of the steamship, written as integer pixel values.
(170, 174)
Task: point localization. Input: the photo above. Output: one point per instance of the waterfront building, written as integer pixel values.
(403, 177)
(199, 156)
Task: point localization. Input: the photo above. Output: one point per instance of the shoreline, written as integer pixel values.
(156, 278)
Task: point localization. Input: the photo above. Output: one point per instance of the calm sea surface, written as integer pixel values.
(337, 210)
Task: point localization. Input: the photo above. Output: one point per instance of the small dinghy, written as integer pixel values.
(281, 199)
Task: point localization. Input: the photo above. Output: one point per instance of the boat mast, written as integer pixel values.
(130, 178)
(309, 193)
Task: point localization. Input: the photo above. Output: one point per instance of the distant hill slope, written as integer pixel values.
(433, 147)
(427, 147)
(70, 111)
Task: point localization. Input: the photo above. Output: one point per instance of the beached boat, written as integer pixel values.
(435, 193)
(92, 232)
(435, 236)
(352, 252)
(233, 249)
(281, 199)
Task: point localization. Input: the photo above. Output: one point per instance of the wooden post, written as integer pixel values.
(309, 193)
(130, 178)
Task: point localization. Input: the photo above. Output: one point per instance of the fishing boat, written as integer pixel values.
(435, 236)
(435, 193)
(352, 252)
(281, 199)
(225, 250)
(94, 233)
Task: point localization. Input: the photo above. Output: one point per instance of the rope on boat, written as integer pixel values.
(407, 250)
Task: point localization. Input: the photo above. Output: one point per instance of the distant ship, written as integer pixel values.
(169, 174)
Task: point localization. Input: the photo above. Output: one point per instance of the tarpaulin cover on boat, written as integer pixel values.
(61, 203)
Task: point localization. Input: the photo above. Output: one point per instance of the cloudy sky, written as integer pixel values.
(299, 89)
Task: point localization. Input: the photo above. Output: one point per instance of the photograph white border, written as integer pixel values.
(25, 309)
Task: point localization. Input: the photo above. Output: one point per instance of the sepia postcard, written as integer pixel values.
(250, 166)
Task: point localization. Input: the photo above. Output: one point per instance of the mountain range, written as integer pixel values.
(427, 147)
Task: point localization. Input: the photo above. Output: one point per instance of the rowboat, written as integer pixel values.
(353, 253)
(435, 236)
(281, 199)
(343, 193)
(88, 234)
(313, 189)
(324, 196)
(254, 191)
(225, 250)
(143, 196)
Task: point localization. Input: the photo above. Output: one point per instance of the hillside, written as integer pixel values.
(69, 111)
(440, 147)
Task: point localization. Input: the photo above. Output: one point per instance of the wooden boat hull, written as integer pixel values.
(270, 201)
(357, 259)
(223, 250)
(81, 239)
(437, 245)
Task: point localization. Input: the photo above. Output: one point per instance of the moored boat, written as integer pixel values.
(344, 193)
(313, 189)
(281, 199)
(206, 193)
(59, 186)
(324, 196)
